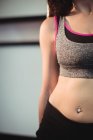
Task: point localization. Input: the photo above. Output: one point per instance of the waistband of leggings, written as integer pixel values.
(62, 117)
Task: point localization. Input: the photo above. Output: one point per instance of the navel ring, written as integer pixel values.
(78, 109)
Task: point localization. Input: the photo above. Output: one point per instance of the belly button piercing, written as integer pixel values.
(78, 109)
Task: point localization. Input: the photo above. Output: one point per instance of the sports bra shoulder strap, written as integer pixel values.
(56, 21)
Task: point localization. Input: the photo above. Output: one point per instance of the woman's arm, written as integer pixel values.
(50, 68)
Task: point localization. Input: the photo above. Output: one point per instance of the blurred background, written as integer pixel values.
(20, 65)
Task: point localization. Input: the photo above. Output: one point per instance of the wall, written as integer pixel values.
(20, 80)
(17, 8)
(20, 74)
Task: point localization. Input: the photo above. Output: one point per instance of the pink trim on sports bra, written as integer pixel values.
(56, 26)
(77, 33)
(56, 31)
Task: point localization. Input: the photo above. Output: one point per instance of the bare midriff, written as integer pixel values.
(73, 97)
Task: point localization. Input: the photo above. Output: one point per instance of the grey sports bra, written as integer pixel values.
(75, 58)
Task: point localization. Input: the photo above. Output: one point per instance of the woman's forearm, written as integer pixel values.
(42, 104)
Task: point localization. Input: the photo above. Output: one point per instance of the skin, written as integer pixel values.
(64, 93)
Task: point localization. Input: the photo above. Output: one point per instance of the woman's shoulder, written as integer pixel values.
(48, 25)
(48, 21)
(47, 33)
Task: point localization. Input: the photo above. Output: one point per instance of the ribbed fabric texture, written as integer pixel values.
(74, 57)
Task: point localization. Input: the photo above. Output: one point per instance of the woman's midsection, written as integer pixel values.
(74, 98)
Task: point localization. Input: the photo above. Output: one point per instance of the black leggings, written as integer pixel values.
(55, 126)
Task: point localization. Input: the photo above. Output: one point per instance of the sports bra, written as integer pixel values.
(74, 51)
